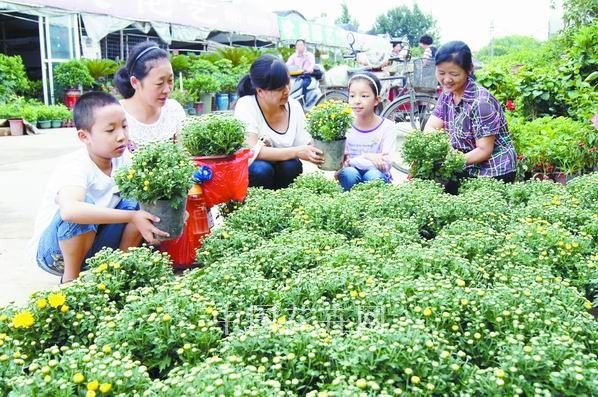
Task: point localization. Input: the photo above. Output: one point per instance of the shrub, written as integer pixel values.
(213, 134)
(159, 171)
(73, 74)
(432, 157)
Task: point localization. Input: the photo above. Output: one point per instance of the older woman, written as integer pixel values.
(472, 117)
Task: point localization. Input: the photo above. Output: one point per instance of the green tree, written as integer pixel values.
(579, 12)
(402, 21)
(508, 45)
(345, 17)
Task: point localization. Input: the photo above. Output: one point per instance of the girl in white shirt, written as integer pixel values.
(269, 114)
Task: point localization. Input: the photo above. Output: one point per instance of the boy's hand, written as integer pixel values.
(143, 222)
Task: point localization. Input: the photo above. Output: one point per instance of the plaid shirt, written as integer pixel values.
(478, 115)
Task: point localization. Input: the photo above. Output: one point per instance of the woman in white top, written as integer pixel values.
(145, 82)
(269, 114)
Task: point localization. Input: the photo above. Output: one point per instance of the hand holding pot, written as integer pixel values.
(310, 153)
(143, 220)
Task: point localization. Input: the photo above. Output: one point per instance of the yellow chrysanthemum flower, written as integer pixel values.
(56, 300)
(23, 319)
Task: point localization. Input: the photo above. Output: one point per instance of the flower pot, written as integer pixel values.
(171, 219)
(44, 124)
(334, 153)
(229, 179)
(200, 108)
(71, 96)
(207, 102)
(232, 99)
(222, 102)
(191, 112)
(182, 251)
(56, 123)
(17, 127)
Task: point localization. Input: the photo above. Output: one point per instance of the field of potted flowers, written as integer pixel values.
(384, 290)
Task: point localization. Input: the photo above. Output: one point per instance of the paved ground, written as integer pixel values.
(25, 165)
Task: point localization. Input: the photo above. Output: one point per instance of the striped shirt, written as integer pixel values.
(476, 116)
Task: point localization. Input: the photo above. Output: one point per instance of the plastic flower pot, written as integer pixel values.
(232, 98)
(17, 127)
(71, 96)
(229, 177)
(334, 153)
(207, 102)
(221, 101)
(172, 219)
(200, 108)
(44, 124)
(56, 123)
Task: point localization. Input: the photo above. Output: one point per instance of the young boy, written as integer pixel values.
(82, 211)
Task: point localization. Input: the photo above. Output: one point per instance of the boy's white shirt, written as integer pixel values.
(77, 169)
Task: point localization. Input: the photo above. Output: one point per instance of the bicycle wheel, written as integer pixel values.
(399, 112)
(333, 95)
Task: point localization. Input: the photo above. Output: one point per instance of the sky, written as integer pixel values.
(466, 20)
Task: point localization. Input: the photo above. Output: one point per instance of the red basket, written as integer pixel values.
(230, 177)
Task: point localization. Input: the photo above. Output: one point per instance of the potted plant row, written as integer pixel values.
(53, 116)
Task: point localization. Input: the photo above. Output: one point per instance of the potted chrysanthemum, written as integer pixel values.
(159, 178)
(328, 123)
(215, 141)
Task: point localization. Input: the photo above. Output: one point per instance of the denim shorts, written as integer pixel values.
(49, 256)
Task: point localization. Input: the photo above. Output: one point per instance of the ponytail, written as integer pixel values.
(245, 87)
(122, 82)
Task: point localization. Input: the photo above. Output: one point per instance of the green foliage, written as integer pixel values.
(554, 79)
(213, 134)
(201, 66)
(162, 329)
(202, 84)
(579, 12)
(215, 377)
(183, 97)
(555, 144)
(180, 63)
(312, 291)
(228, 81)
(101, 68)
(159, 171)
(402, 21)
(73, 74)
(345, 17)
(329, 121)
(508, 45)
(13, 77)
(77, 370)
(432, 157)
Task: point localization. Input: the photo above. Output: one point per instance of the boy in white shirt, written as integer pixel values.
(82, 211)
